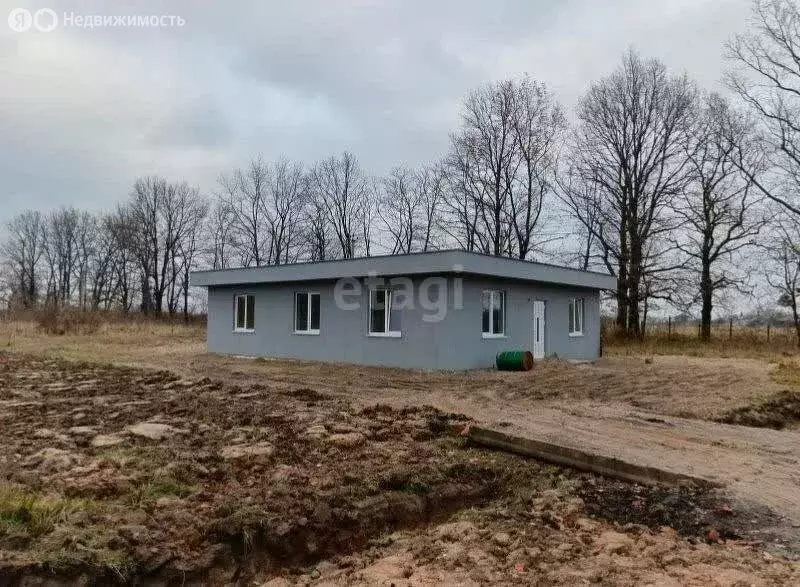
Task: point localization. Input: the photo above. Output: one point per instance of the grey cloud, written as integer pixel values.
(84, 112)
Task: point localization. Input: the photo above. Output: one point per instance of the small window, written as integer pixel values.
(576, 317)
(245, 312)
(384, 315)
(306, 312)
(494, 314)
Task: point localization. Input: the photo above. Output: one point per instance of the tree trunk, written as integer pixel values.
(634, 284)
(706, 292)
(622, 298)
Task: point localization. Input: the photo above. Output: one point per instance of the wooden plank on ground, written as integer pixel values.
(582, 460)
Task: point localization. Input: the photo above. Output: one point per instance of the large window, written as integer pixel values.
(384, 316)
(494, 314)
(576, 317)
(245, 312)
(306, 312)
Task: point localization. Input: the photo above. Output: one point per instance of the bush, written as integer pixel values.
(61, 321)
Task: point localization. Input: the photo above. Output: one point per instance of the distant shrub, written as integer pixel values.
(62, 321)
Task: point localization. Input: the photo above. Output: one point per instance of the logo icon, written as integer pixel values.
(48, 23)
(20, 20)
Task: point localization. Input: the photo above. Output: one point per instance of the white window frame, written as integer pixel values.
(236, 328)
(577, 307)
(491, 333)
(308, 331)
(387, 313)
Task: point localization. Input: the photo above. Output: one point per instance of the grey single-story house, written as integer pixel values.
(436, 310)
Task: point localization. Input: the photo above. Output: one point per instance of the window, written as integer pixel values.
(384, 315)
(576, 317)
(494, 314)
(245, 313)
(306, 312)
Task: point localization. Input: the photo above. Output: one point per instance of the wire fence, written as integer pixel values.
(730, 335)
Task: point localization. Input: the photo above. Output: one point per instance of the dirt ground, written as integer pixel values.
(113, 474)
(656, 412)
(691, 387)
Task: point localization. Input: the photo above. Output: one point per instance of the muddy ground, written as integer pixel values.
(114, 474)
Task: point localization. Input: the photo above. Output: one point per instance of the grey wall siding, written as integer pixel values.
(479, 352)
(343, 333)
(454, 343)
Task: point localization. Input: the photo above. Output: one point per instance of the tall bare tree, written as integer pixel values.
(23, 251)
(783, 274)
(484, 152)
(398, 209)
(430, 180)
(164, 214)
(501, 166)
(124, 235)
(719, 207)
(244, 193)
(538, 125)
(409, 208)
(316, 236)
(341, 191)
(60, 236)
(633, 125)
(288, 197)
(221, 247)
(767, 78)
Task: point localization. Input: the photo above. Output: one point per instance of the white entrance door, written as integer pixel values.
(538, 330)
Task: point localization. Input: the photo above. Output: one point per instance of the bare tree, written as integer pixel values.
(164, 214)
(219, 231)
(538, 125)
(399, 209)
(102, 272)
(460, 207)
(784, 275)
(244, 193)
(288, 198)
(719, 207)
(629, 146)
(430, 182)
(501, 166)
(125, 236)
(61, 254)
(23, 250)
(483, 156)
(317, 239)
(767, 78)
(409, 208)
(341, 191)
(188, 248)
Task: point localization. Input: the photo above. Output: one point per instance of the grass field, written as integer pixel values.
(739, 341)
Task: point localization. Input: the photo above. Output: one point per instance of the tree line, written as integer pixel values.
(668, 187)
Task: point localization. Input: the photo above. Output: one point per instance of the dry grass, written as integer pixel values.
(787, 373)
(742, 342)
(116, 338)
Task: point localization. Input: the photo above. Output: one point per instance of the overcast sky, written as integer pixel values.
(83, 112)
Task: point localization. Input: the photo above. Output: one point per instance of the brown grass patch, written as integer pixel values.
(741, 342)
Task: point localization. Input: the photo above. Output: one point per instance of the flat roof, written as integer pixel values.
(411, 264)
